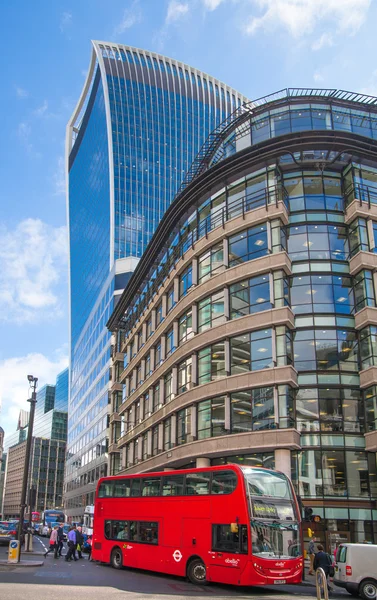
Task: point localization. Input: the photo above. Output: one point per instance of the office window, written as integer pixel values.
(251, 351)
(185, 331)
(211, 418)
(248, 245)
(211, 263)
(211, 311)
(185, 281)
(211, 363)
(185, 375)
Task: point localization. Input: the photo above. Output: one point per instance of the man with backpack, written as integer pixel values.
(322, 560)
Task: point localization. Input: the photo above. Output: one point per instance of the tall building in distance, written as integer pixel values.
(258, 343)
(138, 125)
(46, 474)
(2, 469)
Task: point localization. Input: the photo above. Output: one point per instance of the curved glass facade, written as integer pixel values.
(143, 119)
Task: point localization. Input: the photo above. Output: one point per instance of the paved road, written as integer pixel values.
(59, 580)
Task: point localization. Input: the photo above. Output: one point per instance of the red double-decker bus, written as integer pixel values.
(228, 524)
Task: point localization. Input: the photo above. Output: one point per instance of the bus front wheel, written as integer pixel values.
(196, 572)
(116, 559)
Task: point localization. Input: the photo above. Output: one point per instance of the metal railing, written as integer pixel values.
(217, 217)
(362, 193)
(321, 585)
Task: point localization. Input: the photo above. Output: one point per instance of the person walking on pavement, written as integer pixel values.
(60, 538)
(311, 552)
(324, 561)
(79, 541)
(53, 542)
(71, 544)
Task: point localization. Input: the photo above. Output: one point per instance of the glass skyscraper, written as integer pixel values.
(138, 125)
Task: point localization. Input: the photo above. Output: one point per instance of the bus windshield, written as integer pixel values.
(274, 539)
(274, 524)
(267, 483)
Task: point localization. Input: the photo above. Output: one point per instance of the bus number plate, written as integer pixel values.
(279, 581)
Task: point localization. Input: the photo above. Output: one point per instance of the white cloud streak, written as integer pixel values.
(212, 4)
(14, 388)
(300, 17)
(59, 177)
(33, 260)
(65, 21)
(21, 92)
(41, 111)
(326, 40)
(176, 10)
(131, 17)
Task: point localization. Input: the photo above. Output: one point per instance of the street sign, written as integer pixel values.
(13, 551)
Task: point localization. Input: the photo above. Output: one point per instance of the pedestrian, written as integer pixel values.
(311, 552)
(79, 541)
(71, 544)
(322, 560)
(60, 539)
(89, 547)
(53, 542)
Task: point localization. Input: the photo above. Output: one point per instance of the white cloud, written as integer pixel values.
(65, 21)
(131, 17)
(370, 88)
(318, 77)
(41, 111)
(24, 135)
(21, 92)
(176, 10)
(212, 4)
(59, 177)
(14, 387)
(33, 260)
(326, 39)
(300, 17)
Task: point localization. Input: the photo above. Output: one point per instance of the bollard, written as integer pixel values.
(28, 547)
(13, 551)
(321, 584)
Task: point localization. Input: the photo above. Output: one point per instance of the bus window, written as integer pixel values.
(135, 487)
(197, 484)
(133, 531)
(122, 488)
(148, 532)
(223, 482)
(151, 486)
(105, 489)
(224, 540)
(172, 485)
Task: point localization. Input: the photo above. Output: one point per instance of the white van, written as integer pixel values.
(356, 569)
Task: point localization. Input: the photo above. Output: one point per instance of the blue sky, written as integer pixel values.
(256, 46)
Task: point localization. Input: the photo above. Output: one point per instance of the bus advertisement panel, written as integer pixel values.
(227, 524)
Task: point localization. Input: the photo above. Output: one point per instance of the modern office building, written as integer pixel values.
(3, 458)
(247, 332)
(46, 474)
(138, 125)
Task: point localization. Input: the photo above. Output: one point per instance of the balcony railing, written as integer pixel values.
(362, 193)
(201, 227)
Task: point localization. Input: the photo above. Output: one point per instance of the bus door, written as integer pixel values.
(228, 556)
(196, 538)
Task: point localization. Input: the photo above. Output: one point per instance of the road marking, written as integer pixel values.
(57, 574)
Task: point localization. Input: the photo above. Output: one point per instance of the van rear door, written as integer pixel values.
(340, 565)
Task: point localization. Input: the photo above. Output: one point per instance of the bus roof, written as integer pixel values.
(230, 466)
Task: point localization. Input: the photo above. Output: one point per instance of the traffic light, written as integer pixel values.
(308, 512)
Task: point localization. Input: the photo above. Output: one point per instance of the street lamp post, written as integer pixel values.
(33, 401)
